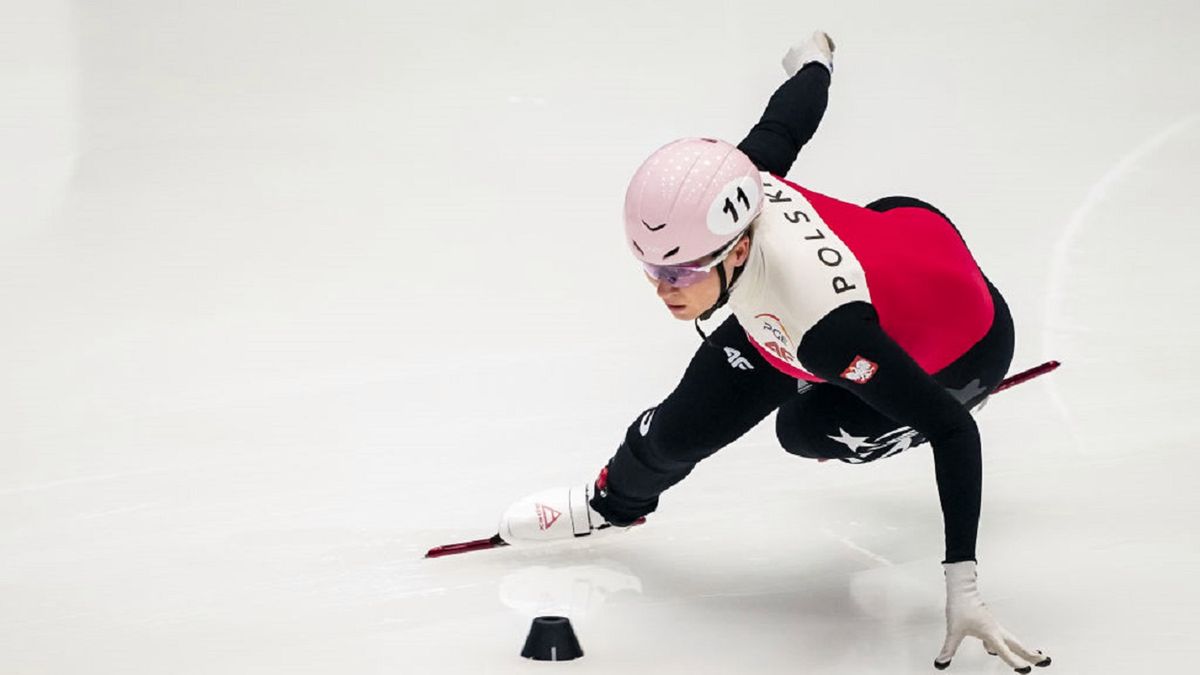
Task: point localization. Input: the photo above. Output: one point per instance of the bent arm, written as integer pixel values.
(790, 120)
(902, 390)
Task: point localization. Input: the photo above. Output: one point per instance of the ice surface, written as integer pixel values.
(292, 291)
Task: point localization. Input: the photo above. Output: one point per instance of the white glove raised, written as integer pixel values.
(553, 514)
(967, 615)
(818, 47)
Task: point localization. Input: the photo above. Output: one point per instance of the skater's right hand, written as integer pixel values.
(818, 47)
(966, 615)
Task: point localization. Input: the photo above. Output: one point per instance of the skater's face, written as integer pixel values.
(688, 302)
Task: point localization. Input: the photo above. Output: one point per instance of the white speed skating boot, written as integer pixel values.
(553, 514)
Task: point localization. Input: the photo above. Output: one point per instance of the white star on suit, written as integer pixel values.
(852, 442)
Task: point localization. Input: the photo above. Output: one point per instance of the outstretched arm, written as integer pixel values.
(795, 109)
(891, 382)
(850, 349)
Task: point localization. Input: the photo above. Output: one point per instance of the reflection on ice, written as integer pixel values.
(572, 591)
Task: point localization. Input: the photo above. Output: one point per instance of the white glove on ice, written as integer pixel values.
(554, 514)
(967, 615)
(819, 47)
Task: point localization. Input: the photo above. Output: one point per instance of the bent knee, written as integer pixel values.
(805, 440)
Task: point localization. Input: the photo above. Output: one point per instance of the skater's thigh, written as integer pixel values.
(727, 389)
(827, 422)
(973, 376)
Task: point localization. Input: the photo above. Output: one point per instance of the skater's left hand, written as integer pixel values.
(818, 47)
(967, 615)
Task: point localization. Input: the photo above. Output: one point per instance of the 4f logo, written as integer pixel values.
(737, 360)
(779, 351)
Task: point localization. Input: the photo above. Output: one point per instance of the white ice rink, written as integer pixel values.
(292, 291)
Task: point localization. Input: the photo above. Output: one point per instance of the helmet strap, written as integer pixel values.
(726, 284)
(723, 298)
(702, 335)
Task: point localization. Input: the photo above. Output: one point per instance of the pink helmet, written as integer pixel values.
(689, 199)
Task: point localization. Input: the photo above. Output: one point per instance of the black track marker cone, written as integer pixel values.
(551, 638)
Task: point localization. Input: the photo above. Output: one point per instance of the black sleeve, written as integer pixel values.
(900, 389)
(790, 120)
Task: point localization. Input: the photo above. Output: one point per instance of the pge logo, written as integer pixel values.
(774, 326)
(781, 344)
